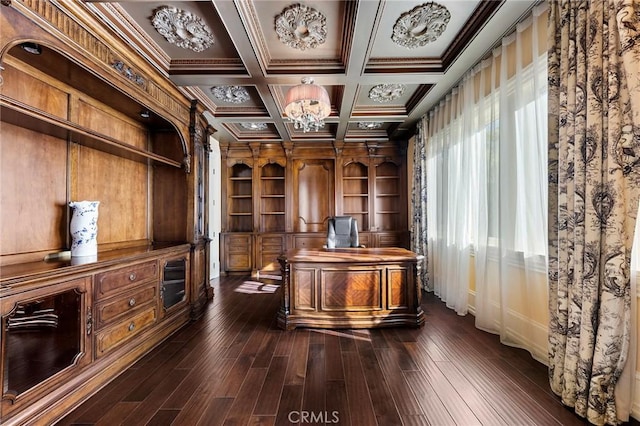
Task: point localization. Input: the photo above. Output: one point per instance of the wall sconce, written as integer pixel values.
(31, 47)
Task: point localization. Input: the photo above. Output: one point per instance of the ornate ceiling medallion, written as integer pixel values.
(182, 28)
(386, 92)
(369, 125)
(254, 126)
(301, 27)
(231, 94)
(422, 25)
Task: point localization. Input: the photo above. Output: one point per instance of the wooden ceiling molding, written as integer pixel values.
(357, 53)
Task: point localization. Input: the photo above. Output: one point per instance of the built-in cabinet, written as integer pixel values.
(280, 196)
(85, 120)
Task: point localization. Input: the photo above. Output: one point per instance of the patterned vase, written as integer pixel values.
(84, 228)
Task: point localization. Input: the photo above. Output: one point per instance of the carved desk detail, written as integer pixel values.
(350, 288)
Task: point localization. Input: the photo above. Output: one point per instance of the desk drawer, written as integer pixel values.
(112, 337)
(122, 279)
(124, 304)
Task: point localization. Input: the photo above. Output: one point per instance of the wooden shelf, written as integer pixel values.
(272, 213)
(240, 178)
(240, 196)
(387, 195)
(356, 195)
(22, 115)
(240, 214)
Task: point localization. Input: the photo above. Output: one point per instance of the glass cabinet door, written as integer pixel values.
(44, 336)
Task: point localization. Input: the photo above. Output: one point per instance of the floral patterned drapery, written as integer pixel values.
(418, 203)
(594, 178)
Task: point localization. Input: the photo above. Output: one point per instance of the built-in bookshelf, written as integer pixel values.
(240, 203)
(280, 197)
(387, 200)
(272, 198)
(355, 193)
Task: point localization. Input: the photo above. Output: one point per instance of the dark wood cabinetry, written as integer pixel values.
(355, 193)
(272, 198)
(283, 195)
(72, 130)
(240, 202)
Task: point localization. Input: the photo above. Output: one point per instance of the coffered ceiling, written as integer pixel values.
(384, 63)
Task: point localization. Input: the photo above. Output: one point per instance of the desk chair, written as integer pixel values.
(342, 232)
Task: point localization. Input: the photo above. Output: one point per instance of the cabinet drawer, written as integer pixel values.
(118, 280)
(238, 243)
(112, 309)
(126, 329)
(302, 241)
(276, 242)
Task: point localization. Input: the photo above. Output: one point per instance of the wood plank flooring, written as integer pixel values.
(235, 367)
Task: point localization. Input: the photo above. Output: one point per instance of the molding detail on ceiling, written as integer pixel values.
(182, 28)
(421, 25)
(254, 126)
(232, 94)
(369, 125)
(301, 27)
(386, 92)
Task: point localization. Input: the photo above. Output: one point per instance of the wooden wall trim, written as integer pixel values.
(78, 34)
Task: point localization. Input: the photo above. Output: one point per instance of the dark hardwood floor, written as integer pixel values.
(235, 367)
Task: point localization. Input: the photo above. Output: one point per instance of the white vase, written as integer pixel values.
(84, 228)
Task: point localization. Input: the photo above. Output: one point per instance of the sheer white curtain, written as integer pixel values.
(448, 194)
(487, 191)
(511, 258)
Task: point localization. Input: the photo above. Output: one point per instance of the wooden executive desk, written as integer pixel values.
(350, 288)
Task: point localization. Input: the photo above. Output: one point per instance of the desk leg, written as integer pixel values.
(284, 311)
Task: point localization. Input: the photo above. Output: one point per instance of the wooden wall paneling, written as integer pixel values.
(170, 191)
(72, 130)
(339, 184)
(314, 194)
(289, 189)
(123, 209)
(28, 85)
(199, 282)
(320, 180)
(33, 193)
(169, 200)
(100, 118)
(372, 200)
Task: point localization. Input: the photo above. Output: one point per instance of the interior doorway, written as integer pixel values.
(215, 203)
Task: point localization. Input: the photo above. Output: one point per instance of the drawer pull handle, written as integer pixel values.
(132, 326)
(132, 276)
(132, 302)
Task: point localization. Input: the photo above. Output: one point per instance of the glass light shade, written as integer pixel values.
(307, 105)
